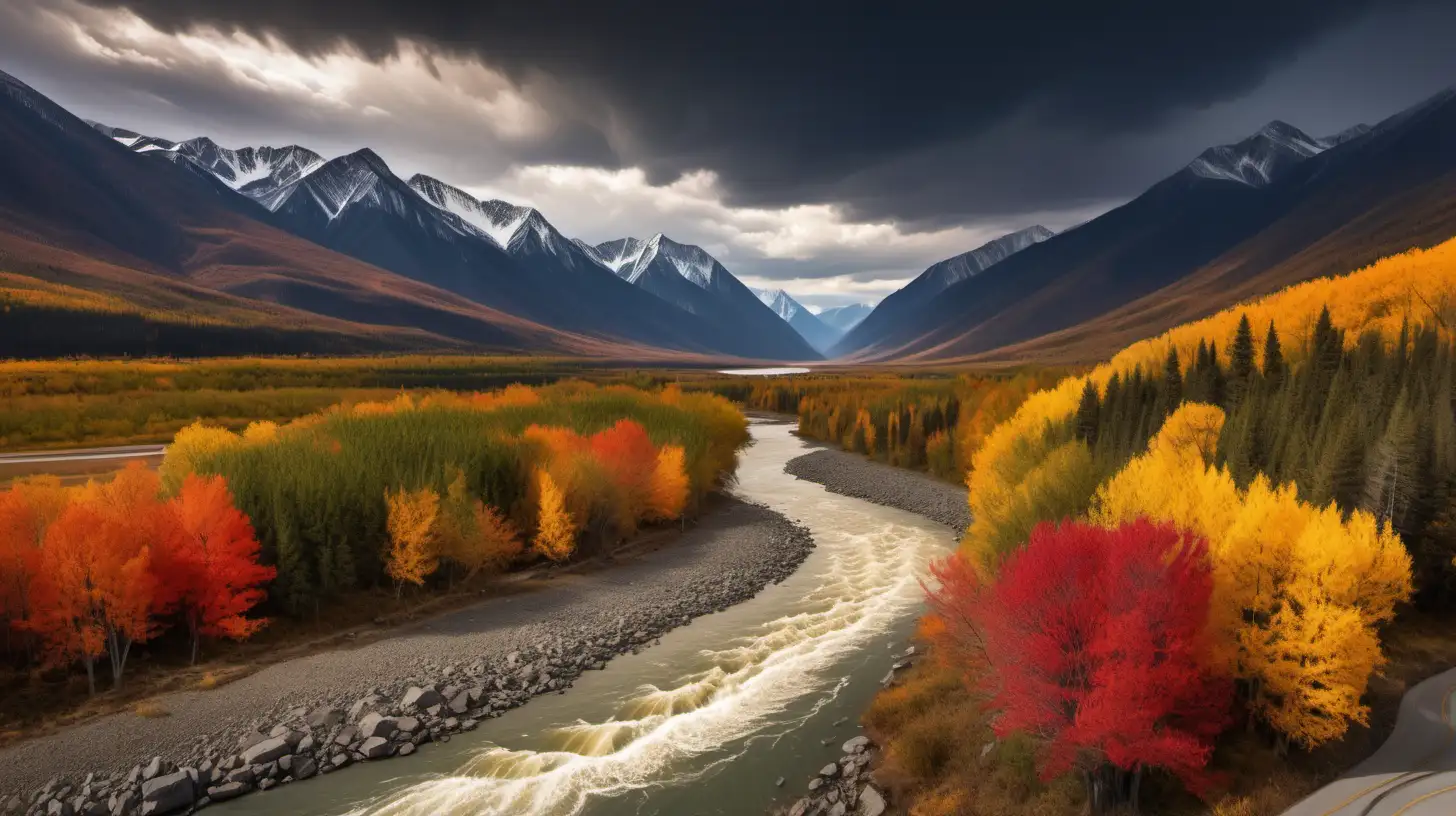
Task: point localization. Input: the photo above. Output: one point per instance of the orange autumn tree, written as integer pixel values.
(19, 560)
(27, 509)
(94, 591)
(472, 534)
(412, 535)
(667, 495)
(211, 573)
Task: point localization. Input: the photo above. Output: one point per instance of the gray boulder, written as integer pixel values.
(167, 794)
(871, 803)
(305, 769)
(375, 748)
(421, 698)
(228, 790)
(347, 736)
(407, 725)
(831, 770)
(856, 745)
(375, 725)
(153, 769)
(267, 751)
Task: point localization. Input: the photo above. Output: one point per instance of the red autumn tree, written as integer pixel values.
(630, 458)
(1091, 642)
(211, 571)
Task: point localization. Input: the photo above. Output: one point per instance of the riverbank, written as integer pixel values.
(850, 474)
(423, 682)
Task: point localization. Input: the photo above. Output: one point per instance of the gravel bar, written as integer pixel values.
(320, 713)
(850, 474)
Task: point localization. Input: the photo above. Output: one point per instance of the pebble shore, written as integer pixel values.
(850, 474)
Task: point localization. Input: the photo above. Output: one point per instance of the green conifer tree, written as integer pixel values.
(1241, 362)
(1273, 359)
(1089, 414)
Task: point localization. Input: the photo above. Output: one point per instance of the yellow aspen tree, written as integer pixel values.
(412, 520)
(191, 446)
(555, 530)
(1298, 591)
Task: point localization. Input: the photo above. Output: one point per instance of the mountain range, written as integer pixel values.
(192, 248)
(1239, 220)
(493, 252)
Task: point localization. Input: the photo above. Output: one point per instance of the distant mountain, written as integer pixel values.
(506, 257)
(844, 318)
(1238, 221)
(689, 278)
(154, 257)
(902, 305)
(803, 321)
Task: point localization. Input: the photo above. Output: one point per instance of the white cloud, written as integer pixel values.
(812, 250)
(462, 121)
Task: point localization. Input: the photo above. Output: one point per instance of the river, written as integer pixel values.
(703, 722)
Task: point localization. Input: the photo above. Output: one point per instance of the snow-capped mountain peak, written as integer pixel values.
(619, 255)
(692, 262)
(501, 220)
(1261, 158)
(947, 273)
(781, 302)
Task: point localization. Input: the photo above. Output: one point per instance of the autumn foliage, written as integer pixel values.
(423, 490)
(1300, 591)
(90, 571)
(933, 423)
(1092, 642)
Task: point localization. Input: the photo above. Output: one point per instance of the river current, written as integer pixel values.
(703, 722)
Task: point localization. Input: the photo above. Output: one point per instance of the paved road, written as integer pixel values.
(81, 454)
(76, 464)
(1412, 774)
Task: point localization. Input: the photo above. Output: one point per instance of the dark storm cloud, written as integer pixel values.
(891, 110)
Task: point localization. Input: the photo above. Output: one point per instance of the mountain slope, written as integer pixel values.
(844, 318)
(902, 306)
(803, 321)
(1283, 207)
(169, 251)
(689, 278)
(571, 267)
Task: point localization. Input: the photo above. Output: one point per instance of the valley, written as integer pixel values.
(593, 412)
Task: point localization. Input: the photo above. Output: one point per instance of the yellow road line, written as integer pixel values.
(1419, 799)
(1450, 735)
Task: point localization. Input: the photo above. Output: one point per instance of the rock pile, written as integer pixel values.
(843, 788)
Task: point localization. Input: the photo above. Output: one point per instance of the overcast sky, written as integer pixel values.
(835, 150)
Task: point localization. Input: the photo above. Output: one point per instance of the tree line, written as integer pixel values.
(400, 494)
(1215, 527)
